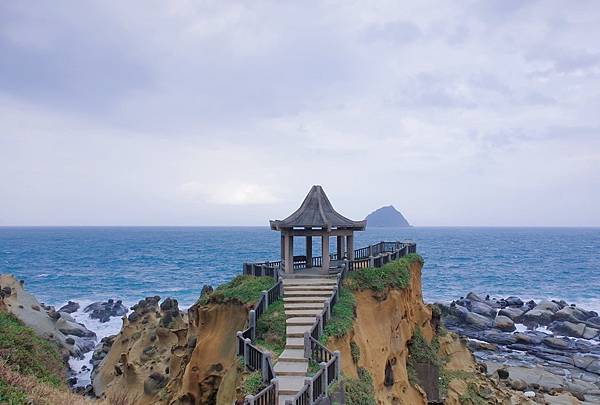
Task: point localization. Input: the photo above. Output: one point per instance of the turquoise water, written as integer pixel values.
(87, 264)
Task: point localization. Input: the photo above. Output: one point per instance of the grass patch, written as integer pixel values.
(394, 274)
(342, 316)
(313, 367)
(26, 353)
(270, 328)
(245, 288)
(11, 395)
(252, 383)
(359, 391)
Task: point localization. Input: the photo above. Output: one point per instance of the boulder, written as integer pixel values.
(566, 328)
(572, 314)
(69, 308)
(590, 333)
(514, 302)
(478, 321)
(557, 343)
(504, 323)
(482, 308)
(73, 328)
(498, 337)
(548, 305)
(538, 316)
(588, 363)
(474, 297)
(528, 338)
(104, 310)
(594, 320)
(512, 313)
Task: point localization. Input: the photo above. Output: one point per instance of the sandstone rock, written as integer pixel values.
(154, 383)
(518, 384)
(504, 323)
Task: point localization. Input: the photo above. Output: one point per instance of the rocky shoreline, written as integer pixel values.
(547, 346)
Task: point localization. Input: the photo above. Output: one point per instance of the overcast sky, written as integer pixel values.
(225, 113)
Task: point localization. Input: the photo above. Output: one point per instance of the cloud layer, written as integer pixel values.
(187, 113)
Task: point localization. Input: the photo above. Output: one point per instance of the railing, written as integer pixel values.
(316, 387)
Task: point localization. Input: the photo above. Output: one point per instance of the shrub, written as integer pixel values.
(395, 274)
(354, 352)
(245, 288)
(360, 391)
(252, 383)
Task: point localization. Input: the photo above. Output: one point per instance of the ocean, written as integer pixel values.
(87, 264)
(130, 263)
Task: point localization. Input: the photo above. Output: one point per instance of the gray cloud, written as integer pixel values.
(151, 112)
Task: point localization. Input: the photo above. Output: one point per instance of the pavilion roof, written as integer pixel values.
(316, 211)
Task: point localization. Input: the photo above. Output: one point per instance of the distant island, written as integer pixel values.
(386, 217)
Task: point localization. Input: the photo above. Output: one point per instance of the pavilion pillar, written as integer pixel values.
(350, 243)
(341, 248)
(282, 255)
(308, 252)
(325, 249)
(289, 253)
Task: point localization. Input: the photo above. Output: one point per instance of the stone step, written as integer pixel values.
(308, 288)
(283, 398)
(294, 355)
(297, 330)
(309, 281)
(303, 306)
(301, 320)
(297, 299)
(290, 385)
(291, 313)
(296, 368)
(306, 293)
(294, 343)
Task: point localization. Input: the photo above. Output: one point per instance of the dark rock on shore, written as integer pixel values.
(104, 310)
(69, 308)
(510, 335)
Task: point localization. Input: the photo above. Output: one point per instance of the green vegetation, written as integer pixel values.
(359, 391)
(252, 383)
(26, 353)
(245, 288)
(423, 352)
(23, 352)
(472, 396)
(342, 316)
(355, 352)
(394, 274)
(270, 328)
(313, 367)
(448, 375)
(11, 395)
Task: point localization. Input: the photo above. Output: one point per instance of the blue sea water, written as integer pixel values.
(95, 263)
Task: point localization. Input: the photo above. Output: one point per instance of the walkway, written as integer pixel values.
(304, 298)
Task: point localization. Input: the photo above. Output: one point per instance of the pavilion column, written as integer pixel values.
(308, 252)
(282, 255)
(289, 253)
(341, 248)
(350, 243)
(325, 249)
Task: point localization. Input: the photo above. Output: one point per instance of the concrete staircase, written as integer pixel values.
(304, 298)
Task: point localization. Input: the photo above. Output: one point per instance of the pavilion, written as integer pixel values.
(316, 218)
